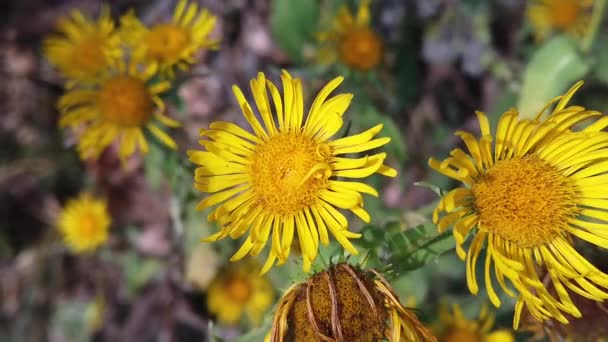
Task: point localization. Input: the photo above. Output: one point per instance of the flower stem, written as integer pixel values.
(596, 19)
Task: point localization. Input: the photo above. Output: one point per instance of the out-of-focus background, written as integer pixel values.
(153, 280)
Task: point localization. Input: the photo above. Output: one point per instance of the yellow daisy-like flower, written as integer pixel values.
(570, 16)
(455, 327)
(172, 44)
(117, 107)
(352, 40)
(84, 223)
(238, 289)
(541, 184)
(84, 48)
(283, 177)
(345, 303)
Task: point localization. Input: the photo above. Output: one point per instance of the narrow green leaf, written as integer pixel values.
(437, 190)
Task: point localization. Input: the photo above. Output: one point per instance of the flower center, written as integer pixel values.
(361, 49)
(167, 42)
(125, 101)
(88, 56)
(525, 201)
(288, 172)
(89, 226)
(461, 335)
(564, 12)
(238, 289)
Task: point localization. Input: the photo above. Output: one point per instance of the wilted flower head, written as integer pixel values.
(344, 303)
(239, 289)
(453, 326)
(84, 223)
(570, 16)
(283, 178)
(527, 192)
(84, 48)
(174, 43)
(117, 108)
(352, 40)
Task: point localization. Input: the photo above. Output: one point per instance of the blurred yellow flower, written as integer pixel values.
(283, 178)
(352, 40)
(453, 326)
(83, 49)
(344, 303)
(171, 44)
(542, 184)
(570, 16)
(117, 107)
(238, 289)
(84, 223)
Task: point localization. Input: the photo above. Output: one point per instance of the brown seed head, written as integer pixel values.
(344, 303)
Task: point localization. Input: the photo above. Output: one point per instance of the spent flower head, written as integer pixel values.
(344, 303)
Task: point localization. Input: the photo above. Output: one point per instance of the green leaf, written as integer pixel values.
(258, 334)
(601, 67)
(422, 245)
(71, 320)
(552, 69)
(292, 24)
(139, 271)
(437, 190)
(369, 117)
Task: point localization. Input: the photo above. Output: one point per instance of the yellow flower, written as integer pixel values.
(171, 44)
(570, 16)
(84, 223)
(240, 289)
(283, 177)
(542, 184)
(344, 303)
(352, 40)
(84, 48)
(117, 108)
(455, 327)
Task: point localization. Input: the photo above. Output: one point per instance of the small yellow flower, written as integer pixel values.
(352, 40)
(455, 327)
(117, 107)
(542, 184)
(238, 289)
(283, 177)
(84, 223)
(570, 16)
(344, 303)
(171, 44)
(84, 48)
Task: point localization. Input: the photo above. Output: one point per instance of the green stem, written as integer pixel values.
(425, 245)
(596, 19)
